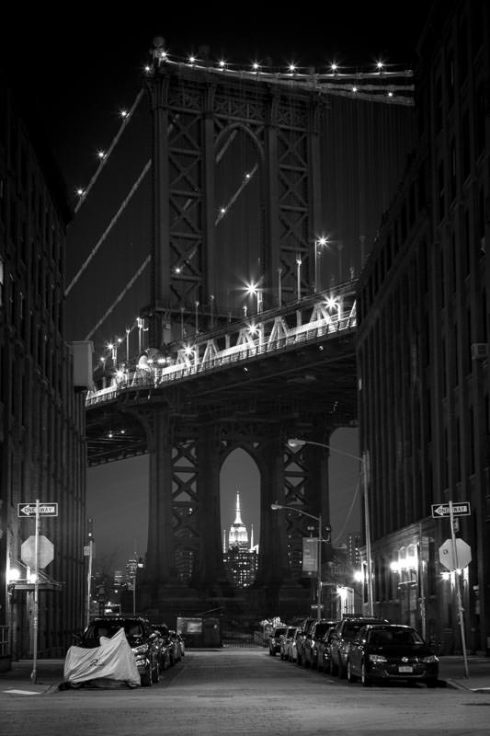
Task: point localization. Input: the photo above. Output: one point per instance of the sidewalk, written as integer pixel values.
(17, 681)
(452, 672)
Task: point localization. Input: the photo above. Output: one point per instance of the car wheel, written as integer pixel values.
(350, 677)
(146, 678)
(334, 670)
(365, 679)
(342, 672)
(298, 661)
(431, 683)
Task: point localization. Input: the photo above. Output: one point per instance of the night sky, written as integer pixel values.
(79, 70)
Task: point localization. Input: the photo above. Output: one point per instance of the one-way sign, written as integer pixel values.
(460, 508)
(29, 509)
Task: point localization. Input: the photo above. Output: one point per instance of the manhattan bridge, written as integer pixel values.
(221, 306)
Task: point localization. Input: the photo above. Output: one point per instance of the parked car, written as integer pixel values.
(324, 651)
(286, 641)
(141, 638)
(175, 646)
(342, 635)
(179, 640)
(304, 627)
(275, 639)
(310, 649)
(391, 652)
(164, 646)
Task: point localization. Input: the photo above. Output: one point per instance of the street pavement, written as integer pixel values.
(49, 675)
(244, 691)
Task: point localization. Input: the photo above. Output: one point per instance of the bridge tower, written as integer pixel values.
(199, 117)
(202, 118)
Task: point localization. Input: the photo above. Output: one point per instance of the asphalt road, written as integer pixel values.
(241, 692)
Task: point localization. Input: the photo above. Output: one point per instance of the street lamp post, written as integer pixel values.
(320, 242)
(297, 443)
(138, 566)
(277, 507)
(255, 290)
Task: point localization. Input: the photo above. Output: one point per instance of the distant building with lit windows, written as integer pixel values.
(240, 556)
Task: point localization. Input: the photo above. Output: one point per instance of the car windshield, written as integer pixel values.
(291, 631)
(395, 637)
(109, 628)
(278, 632)
(321, 629)
(351, 630)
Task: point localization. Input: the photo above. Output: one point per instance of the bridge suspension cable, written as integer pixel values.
(104, 156)
(391, 87)
(120, 296)
(106, 232)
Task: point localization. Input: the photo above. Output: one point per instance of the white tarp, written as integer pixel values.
(113, 660)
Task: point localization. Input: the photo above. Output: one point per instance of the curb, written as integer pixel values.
(459, 686)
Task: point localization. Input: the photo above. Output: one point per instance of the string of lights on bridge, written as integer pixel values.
(338, 79)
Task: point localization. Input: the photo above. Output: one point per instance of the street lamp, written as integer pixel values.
(137, 567)
(298, 443)
(319, 243)
(277, 507)
(255, 290)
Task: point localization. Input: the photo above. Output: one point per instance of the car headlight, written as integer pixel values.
(377, 659)
(431, 659)
(142, 649)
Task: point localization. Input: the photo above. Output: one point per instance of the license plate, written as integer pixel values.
(405, 669)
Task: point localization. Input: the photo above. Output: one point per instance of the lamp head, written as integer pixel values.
(296, 443)
(275, 506)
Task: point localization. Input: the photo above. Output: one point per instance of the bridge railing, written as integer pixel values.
(261, 334)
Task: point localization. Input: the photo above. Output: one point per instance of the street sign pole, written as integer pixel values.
(35, 617)
(89, 582)
(458, 590)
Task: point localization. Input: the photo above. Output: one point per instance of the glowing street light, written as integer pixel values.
(318, 519)
(297, 444)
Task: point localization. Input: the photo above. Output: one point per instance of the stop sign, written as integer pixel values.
(463, 554)
(45, 552)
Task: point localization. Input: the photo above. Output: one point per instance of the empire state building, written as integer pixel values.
(240, 556)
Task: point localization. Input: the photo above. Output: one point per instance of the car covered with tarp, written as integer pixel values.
(113, 661)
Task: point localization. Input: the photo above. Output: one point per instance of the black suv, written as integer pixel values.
(340, 639)
(141, 638)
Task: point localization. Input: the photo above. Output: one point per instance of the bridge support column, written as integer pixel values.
(273, 555)
(210, 576)
(160, 562)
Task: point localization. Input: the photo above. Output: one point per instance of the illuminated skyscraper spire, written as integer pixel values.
(238, 536)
